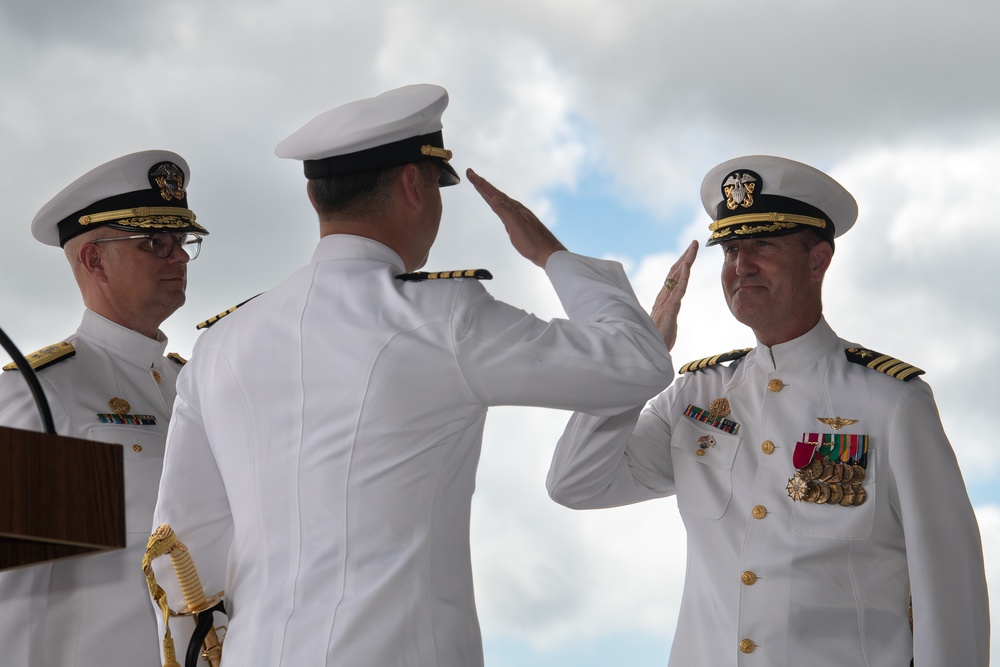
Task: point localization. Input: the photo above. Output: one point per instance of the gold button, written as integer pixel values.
(748, 578)
(775, 385)
(759, 511)
(136, 447)
(747, 646)
(767, 447)
(157, 377)
(700, 452)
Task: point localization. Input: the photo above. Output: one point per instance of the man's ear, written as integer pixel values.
(412, 183)
(92, 261)
(820, 257)
(309, 193)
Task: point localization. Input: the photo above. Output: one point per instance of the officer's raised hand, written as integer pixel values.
(527, 234)
(668, 301)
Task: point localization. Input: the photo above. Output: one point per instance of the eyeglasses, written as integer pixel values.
(162, 244)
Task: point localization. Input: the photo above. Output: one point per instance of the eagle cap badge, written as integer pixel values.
(738, 188)
(168, 178)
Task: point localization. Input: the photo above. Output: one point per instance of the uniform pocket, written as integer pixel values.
(703, 468)
(142, 451)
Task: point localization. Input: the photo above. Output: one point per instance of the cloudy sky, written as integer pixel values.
(601, 115)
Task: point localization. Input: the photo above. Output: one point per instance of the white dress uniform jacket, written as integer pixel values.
(775, 582)
(322, 457)
(93, 611)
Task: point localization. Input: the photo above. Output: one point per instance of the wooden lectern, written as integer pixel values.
(59, 497)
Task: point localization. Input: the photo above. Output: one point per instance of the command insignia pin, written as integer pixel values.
(119, 405)
(719, 408)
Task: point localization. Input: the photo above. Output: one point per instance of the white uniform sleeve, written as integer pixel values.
(944, 554)
(606, 357)
(611, 461)
(193, 502)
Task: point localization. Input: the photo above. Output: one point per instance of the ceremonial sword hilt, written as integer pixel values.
(164, 541)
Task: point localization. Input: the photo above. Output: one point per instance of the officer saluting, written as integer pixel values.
(128, 234)
(324, 448)
(819, 491)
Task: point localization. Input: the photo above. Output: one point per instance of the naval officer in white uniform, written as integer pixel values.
(322, 457)
(128, 234)
(817, 486)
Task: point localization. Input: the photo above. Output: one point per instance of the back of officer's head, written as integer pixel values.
(354, 154)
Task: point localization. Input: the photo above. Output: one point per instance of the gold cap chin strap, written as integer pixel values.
(773, 222)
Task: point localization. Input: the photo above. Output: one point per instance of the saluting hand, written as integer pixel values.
(527, 234)
(668, 301)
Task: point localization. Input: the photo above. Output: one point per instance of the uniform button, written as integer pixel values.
(759, 511)
(767, 447)
(136, 447)
(157, 377)
(748, 578)
(776, 385)
(747, 646)
(700, 452)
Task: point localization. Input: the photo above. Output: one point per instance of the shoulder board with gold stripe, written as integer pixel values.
(46, 356)
(882, 363)
(176, 358)
(701, 364)
(212, 320)
(478, 274)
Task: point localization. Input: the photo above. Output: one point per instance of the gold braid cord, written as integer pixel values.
(164, 541)
(161, 542)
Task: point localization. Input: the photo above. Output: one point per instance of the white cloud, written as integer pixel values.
(550, 576)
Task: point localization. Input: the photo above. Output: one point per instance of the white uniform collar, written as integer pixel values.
(348, 246)
(123, 343)
(815, 343)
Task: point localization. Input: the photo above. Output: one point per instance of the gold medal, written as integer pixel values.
(813, 470)
(860, 496)
(824, 494)
(847, 472)
(812, 492)
(836, 493)
(848, 499)
(859, 474)
(119, 406)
